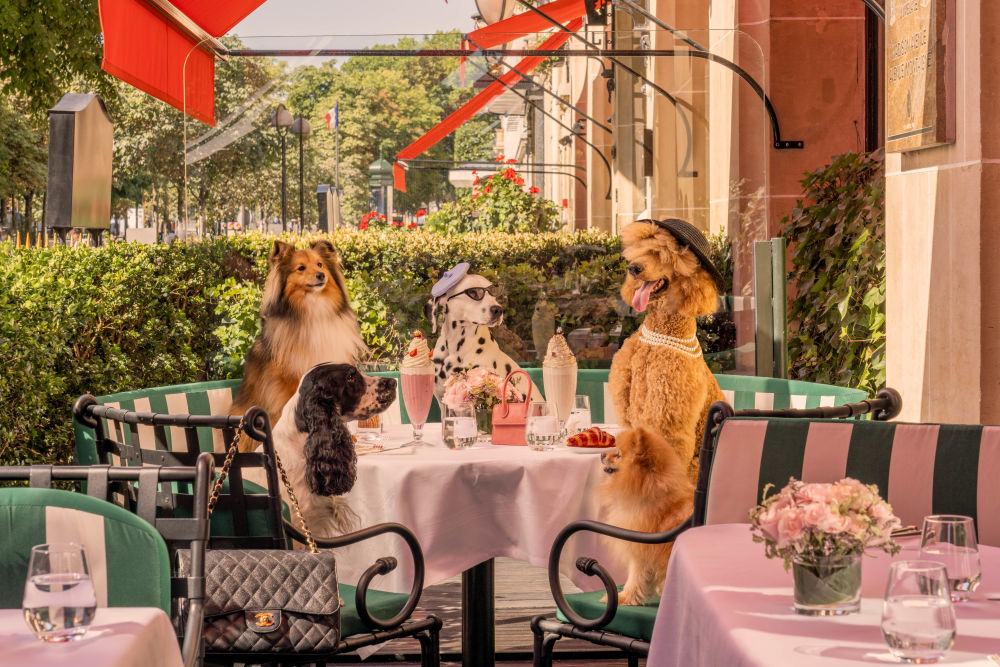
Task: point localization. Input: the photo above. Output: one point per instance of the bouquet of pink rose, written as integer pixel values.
(479, 387)
(817, 520)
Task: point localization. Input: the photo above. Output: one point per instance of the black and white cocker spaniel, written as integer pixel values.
(315, 447)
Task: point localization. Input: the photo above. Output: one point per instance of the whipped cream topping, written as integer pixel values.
(558, 353)
(417, 360)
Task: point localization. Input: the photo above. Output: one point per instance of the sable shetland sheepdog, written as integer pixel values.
(647, 489)
(305, 320)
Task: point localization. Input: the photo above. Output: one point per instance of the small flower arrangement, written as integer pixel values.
(479, 387)
(809, 521)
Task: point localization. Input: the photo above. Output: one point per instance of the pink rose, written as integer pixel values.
(790, 527)
(816, 515)
(834, 522)
(768, 523)
(817, 493)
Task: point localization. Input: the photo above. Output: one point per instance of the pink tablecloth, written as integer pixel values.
(466, 506)
(725, 604)
(118, 637)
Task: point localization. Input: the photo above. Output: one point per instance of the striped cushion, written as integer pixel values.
(920, 469)
(127, 558)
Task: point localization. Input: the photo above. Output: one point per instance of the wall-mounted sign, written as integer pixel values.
(919, 74)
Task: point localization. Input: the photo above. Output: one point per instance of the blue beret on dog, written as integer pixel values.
(449, 279)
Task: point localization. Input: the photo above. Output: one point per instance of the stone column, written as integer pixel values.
(942, 237)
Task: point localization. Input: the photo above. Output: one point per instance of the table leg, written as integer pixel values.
(478, 616)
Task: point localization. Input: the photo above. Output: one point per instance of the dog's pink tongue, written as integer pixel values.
(641, 297)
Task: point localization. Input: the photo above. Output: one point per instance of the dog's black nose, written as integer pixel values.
(320, 276)
(496, 311)
(634, 269)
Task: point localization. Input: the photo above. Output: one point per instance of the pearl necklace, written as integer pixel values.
(688, 346)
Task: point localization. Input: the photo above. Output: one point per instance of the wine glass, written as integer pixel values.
(418, 390)
(542, 428)
(579, 417)
(458, 428)
(951, 539)
(918, 617)
(59, 601)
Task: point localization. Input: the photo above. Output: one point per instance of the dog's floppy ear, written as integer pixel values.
(279, 250)
(430, 312)
(331, 463)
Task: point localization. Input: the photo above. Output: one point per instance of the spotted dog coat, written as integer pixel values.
(466, 342)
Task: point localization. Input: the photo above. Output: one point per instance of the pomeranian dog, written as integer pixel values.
(647, 489)
(305, 320)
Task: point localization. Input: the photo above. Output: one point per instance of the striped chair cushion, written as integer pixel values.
(920, 469)
(127, 558)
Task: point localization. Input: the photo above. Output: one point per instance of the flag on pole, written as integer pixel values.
(332, 117)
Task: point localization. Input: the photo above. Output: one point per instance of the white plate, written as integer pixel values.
(589, 450)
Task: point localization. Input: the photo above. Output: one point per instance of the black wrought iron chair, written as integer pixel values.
(146, 489)
(250, 516)
(584, 616)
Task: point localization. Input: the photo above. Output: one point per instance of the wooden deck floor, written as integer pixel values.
(522, 591)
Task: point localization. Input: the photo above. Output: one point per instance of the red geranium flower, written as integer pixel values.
(363, 225)
(499, 158)
(510, 173)
(396, 224)
(412, 225)
(421, 212)
(475, 195)
(486, 189)
(476, 182)
(519, 181)
(533, 190)
(381, 217)
(511, 161)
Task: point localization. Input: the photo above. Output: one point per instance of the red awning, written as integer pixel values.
(470, 108)
(528, 22)
(149, 51)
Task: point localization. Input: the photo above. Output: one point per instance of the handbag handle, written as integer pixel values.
(503, 392)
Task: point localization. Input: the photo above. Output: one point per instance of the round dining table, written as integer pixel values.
(468, 506)
(117, 637)
(724, 603)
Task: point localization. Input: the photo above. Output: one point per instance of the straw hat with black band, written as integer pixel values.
(691, 237)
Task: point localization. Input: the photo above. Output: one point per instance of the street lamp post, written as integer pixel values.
(302, 128)
(380, 184)
(281, 119)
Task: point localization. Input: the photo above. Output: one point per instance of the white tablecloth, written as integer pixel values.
(118, 637)
(724, 603)
(466, 506)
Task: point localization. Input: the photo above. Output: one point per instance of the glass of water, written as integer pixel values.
(59, 601)
(579, 416)
(542, 426)
(370, 430)
(951, 539)
(458, 429)
(918, 618)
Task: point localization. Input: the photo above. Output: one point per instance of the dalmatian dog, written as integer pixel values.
(470, 310)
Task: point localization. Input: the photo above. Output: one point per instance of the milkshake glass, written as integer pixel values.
(416, 375)
(559, 376)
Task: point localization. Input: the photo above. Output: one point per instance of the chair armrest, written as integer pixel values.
(591, 567)
(382, 566)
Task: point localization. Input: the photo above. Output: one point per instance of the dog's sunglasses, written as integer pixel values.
(478, 293)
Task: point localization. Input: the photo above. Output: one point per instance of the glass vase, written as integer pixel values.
(827, 585)
(484, 424)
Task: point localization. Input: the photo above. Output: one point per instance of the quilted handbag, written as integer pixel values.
(510, 420)
(269, 600)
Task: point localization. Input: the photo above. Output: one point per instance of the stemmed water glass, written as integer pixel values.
(950, 539)
(59, 602)
(918, 618)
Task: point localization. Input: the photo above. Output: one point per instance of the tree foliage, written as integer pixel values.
(837, 235)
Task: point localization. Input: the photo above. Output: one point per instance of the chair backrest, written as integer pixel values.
(247, 515)
(920, 469)
(127, 558)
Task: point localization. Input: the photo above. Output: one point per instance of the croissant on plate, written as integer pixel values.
(592, 437)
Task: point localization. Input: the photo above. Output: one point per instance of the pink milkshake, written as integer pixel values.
(416, 374)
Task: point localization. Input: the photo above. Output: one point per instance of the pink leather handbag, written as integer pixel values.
(510, 420)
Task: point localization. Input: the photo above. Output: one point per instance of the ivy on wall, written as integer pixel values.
(837, 237)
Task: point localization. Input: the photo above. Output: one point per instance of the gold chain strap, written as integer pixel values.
(227, 464)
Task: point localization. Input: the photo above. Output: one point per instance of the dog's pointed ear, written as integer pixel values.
(430, 312)
(279, 250)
